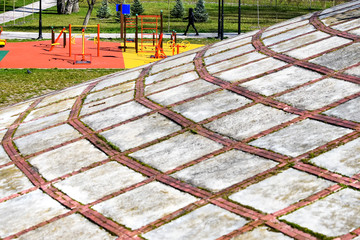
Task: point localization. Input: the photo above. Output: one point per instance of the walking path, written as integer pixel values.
(24, 11)
(254, 137)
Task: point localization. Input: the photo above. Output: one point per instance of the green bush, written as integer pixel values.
(200, 12)
(104, 10)
(178, 10)
(137, 8)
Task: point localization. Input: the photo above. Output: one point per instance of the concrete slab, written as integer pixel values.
(62, 95)
(348, 110)
(183, 78)
(332, 216)
(50, 109)
(319, 94)
(108, 92)
(94, 184)
(170, 73)
(45, 139)
(250, 70)
(275, 31)
(105, 103)
(176, 151)
(161, 66)
(289, 34)
(281, 81)
(74, 226)
(224, 170)
(280, 191)
(262, 233)
(226, 46)
(12, 181)
(42, 123)
(343, 159)
(355, 71)
(27, 210)
(2, 134)
(249, 121)
(235, 62)
(182, 92)
(10, 114)
(144, 204)
(208, 222)
(298, 41)
(140, 131)
(318, 47)
(229, 54)
(60, 161)
(4, 158)
(211, 105)
(341, 58)
(120, 77)
(348, 24)
(115, 115)
(300, 137)
(355, 31)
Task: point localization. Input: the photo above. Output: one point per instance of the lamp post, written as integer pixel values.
(222, 20)
(239, 18)
(40, 24)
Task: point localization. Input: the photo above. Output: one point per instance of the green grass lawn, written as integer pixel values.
(268, 15)
(17, 85)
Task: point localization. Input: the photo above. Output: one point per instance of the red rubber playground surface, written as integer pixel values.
(37, 55)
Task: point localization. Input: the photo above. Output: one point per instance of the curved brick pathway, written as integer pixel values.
(255, 137)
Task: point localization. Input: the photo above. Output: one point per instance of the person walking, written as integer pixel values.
(191, 18)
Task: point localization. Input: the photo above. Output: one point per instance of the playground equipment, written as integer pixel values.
(172, 44)
(151, 27)
(55, 42)
(83, 54)
(2, 41)
(83, 27)
(159, 51)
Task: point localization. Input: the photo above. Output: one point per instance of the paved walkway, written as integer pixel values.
(24, 11)
(254, 137)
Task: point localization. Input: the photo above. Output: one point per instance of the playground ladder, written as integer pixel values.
(149, 32)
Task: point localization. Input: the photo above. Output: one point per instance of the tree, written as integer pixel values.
(178, 10)
(91, 4)
(137, 8)
(72, 6)
(200, 12)
(60, 4)
(104, 10)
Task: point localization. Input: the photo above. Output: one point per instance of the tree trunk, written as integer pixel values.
(91, 4)
(76, 7)
(60, 6)
(69, 6)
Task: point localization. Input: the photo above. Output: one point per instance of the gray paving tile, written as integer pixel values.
(343, 159)
(298, 41)
(140, 131)
(172, 63)
(60, 161)
(50, 109)
(176, 151)
(144, 204)
(93, 184)
(208, 222)
(347, 25)
(300, 137)
(348, 110)
(170, 73)
(270, 32)
(119, 78)
(250, 70)
(224, 170)
(10, 114)
(280, 191)
(4, 158)
(318, 47)
(262, 232)
(74, 226)
(280, 81)
(319, 94)
(45, 139)
(229, 54)
(108, 92)
(355, 31)
(249, 121)
(182, 92)
(226, 46)
(355, 71)
(332, 216)
(289, 34)
(2, 134)
(183, 78)
(41, 123)
(115, 115)
(105, 103)
(26, 211)
(211, 105)
(12, 181)
(341, 58)
(62, 95)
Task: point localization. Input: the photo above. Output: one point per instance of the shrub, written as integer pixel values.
(178, 10)
(200, 12)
